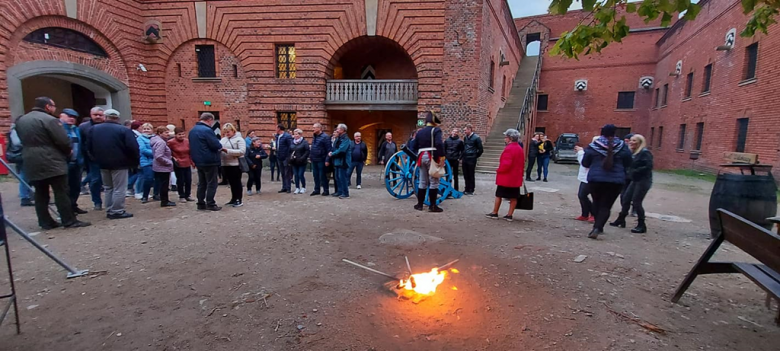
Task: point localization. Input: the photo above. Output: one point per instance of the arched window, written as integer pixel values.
(66, 38)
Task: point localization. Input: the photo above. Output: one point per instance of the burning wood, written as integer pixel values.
(416, 287)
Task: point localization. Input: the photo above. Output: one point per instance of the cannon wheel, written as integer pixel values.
(445, 185)
(399, 179)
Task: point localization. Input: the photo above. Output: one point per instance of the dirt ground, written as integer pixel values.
(180, 279)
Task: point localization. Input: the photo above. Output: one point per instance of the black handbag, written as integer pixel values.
(526, 200)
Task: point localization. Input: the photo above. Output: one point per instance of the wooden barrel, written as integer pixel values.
(753, 197)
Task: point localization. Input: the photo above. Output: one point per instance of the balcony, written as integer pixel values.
(379, 94)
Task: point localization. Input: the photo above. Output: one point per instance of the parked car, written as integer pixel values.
(563, 150)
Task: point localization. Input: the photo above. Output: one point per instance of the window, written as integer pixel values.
(541, 102)
(66, 39)
(207, 67)
(681, 140)
(237, 124)
(621, 132)
(657, 97)
(625, 100)
(492, 72)
(664, 94)
(235, 71)
(288, 119)
(540, 130)
(699, 135)
(707, 79)
(742, 129)
(652, 136)
(751, 58)
(178, 67)
(689, 85)
(285, 61)
(503, 87)
(660, 136)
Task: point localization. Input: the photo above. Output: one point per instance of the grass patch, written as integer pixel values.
(691, 174)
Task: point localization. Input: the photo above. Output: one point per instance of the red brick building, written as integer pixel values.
(720, 99)
(376, 65)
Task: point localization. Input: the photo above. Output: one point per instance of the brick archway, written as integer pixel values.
(369, 43)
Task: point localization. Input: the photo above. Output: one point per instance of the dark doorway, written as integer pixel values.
(217, 125)
(539, 130)
(83, 100)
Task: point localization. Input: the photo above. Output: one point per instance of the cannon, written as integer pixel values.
(402, 178)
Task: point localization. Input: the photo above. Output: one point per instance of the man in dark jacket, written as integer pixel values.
(386, 149)
(533, 151)
(472, 150)
(320, 147)
(341, 156)
(76, 160)
(115, 150)
(453, 148)
(97, 116)
(205, 150)
(429, 146)
(359, 156)
(45, 154)
(284, 142)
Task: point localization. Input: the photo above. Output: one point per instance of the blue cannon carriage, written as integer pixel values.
(402, 178)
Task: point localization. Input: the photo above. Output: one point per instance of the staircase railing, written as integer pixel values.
(530, 98)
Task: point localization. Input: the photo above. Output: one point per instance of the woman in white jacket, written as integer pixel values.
(233, 147)
(585, 204)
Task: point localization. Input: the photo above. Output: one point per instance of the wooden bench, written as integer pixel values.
(754, 240)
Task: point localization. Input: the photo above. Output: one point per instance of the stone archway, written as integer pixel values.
(119, 92)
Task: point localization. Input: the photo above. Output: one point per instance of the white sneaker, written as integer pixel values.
(303, 191)
(129, 193)
(183, 200)
(139, 196)
(297, 191)
(249, 192)
(358, 186)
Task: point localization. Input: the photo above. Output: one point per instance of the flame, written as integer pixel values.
(454, 270)
(454, 288)
(424, 283)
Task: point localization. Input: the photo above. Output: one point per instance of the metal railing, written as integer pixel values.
(379, 91)
(530, 98)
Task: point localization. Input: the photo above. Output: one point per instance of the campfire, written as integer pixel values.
(415, 287)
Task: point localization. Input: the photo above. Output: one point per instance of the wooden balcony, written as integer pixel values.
(378, 94)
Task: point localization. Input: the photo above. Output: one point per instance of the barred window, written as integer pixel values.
(207, 66)
(285, 61)
(67, 39)
(288, 119)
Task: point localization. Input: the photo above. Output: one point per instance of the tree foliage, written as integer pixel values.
(605, 24)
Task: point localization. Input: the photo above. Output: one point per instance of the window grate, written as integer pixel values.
(699, 135)
(681, 140)
(207, 67)
(707, 78)
(664, 94)
(285, 61)
(689, 85)
(660, 136)
(541, 102)
(751, 59)
(625, 100)
(288, 119)
(66, 39)
(742, 130)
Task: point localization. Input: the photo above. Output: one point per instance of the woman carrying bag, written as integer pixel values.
(509, 175)
(429, 147)
(299, 158)
(233, 150)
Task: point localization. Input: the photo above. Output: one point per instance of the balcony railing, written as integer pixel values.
(379, 91)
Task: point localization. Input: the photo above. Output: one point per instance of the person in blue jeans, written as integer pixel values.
(24, 190)
(359, 156)
(97, 116)
(320, 146)
(147, 157)
(543, 158)
(341, 157)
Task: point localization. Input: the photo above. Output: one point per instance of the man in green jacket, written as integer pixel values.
(46, 151)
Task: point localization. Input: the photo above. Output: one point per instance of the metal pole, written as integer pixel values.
(72, 273)
(32, 190)
(370, 269)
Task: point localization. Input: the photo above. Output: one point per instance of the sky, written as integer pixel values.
(523, 8)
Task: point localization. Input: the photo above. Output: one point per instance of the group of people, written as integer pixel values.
(539, 151)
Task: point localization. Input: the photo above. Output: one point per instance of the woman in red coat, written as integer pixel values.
(509, 175)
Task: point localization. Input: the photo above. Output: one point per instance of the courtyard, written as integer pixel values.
(269, 276)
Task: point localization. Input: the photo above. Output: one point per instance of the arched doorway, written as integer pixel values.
(69, 84)
(533, 44)
(373, 89)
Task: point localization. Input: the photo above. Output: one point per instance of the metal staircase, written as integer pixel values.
(516, 113)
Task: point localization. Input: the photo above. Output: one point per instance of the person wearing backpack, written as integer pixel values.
(13, 153)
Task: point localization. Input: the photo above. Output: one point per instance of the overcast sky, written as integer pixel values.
(522, 8)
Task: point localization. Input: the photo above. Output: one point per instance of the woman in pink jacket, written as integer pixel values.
(509, 175)
(162, 164)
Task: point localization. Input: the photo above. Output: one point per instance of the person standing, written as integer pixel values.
(76, 159)
(162, 164)
(146, 161)
(205, 149)
(115, 150)
(233, 147)
(283, 148)
(138, 182)
(330, 171)
(509, 174)
(586, 206)
(544, 150)
(15, 148)
(320, 147)
(359, 156)
(341, 156)
(97, 116)
(45, 154)
(182, 164)
(607, 159)
(254, 157)
(299, 159)
(454, 151)
(386, 149)
(533, 151)
(641, 175)
(274, 162)
(249, 137)
(248, 143)
(429, 147)
(472, 150)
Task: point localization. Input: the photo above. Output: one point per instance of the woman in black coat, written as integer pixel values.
(299, 158)
(254, 156)
(641, 175)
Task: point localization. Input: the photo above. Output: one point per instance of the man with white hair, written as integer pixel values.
(115, 150)
(359, 156)
(341, 157)
(97, 116)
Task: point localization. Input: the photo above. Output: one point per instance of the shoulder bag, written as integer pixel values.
(526, 200)
(435, 170)
(243, 165)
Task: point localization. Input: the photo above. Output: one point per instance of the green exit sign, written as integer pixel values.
(207, 103)
(420, 122)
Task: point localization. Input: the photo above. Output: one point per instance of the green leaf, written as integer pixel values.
(587, 5)
(748, 5)
(666, 19)
(560, 7)
(631, 7)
